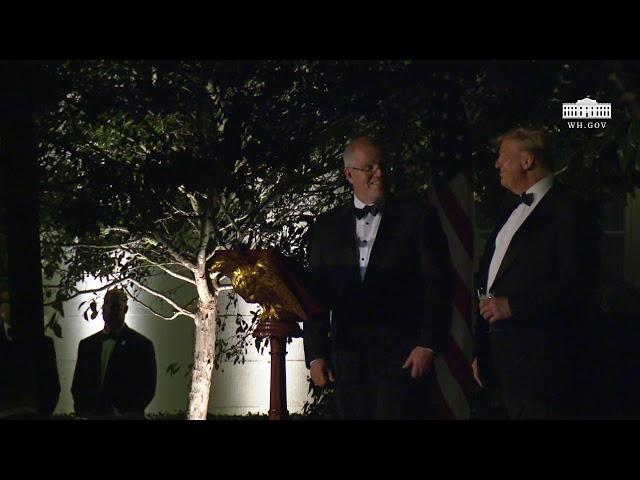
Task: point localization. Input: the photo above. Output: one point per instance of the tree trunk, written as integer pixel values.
(203, 357)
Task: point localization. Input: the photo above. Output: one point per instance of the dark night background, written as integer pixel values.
(391, 99)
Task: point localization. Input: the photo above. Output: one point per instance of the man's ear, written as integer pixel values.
(527, 160)
(347, 174)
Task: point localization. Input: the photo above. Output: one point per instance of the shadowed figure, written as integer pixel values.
(115, 375)
(29, 382)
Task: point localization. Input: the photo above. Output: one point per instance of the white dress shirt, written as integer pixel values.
(366, 231)
(509, 229)
(107, 348)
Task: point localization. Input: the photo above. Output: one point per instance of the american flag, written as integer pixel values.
(453, 382)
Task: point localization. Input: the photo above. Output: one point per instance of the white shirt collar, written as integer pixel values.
(359, 204)
(540, 188)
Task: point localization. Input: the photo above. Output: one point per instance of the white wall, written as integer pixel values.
(236, 389)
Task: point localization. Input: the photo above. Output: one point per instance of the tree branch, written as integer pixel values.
(233, 223)
(156, 239)
(163, 268)
(96, 247)
(158, 314)
(195, 203)
(261, 206)
(206, 231)
(187, 216)
(108, 230)
(93, 290)
(213, 252)
(182, 213)
(161, 296)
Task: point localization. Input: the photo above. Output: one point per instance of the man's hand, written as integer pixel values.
(320, 372)
(494, 309)
(420, 360)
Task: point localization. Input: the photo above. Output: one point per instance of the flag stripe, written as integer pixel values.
(461, 334)
(459, 367)
(443, 411)
(454, 375)
(453, 197)
(460, 259)
(452, 392)
(461, 295)
(458, 219)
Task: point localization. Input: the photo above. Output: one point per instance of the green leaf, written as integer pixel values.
(57, 306)
(57, 330)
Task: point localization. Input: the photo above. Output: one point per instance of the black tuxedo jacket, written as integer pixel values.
(547, 274)
(29, 375)
(405, 298)
(129, 381)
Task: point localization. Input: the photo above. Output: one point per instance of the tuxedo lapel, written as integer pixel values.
(94, 359)
(536, 220)
(384, 238)
(490, 246)
(347, 241)
(515, 246)
(119, 349)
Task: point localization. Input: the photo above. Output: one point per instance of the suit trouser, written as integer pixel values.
(534, 379)
(370, 387)
(519, 407)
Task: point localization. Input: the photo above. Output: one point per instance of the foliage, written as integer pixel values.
(600, 165)
(151, 166)
(145, 159)
(322, 403)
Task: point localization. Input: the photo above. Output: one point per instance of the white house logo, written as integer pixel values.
(586, 109)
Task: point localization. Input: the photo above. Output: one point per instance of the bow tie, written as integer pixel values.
(374, 210)
(526, 198)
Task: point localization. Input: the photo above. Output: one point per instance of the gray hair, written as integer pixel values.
(358, 142)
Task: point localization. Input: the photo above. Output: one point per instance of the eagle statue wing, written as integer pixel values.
(256, 277)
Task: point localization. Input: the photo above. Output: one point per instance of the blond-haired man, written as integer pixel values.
(535, 271)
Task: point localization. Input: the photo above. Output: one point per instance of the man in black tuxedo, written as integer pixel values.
(29, 382)
(381, 268)
(115, 375)
(537, 271)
